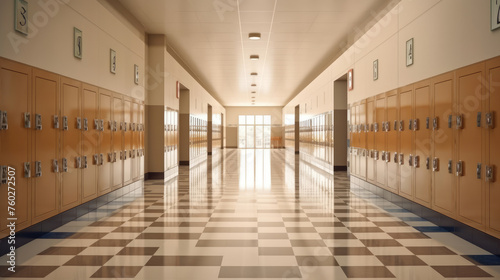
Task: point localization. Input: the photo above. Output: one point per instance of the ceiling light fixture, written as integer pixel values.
(254, 92)
(254, 74)
(254, 57)
(254, 36)
(254, 85)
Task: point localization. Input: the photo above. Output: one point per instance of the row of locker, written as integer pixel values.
(316, 140)
(171, 138)
(67, 141)
(434, 142)
(197, 137)
(290, 137)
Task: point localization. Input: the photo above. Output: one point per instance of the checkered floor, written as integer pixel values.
(251, 214)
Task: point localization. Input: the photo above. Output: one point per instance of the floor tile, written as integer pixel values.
(259, 272)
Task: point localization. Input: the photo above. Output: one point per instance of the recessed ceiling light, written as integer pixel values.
(254, 74)
(254, 57)
(254, 85)
(254, 92)
(254, 36)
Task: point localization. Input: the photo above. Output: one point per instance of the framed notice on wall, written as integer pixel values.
(112, 61)
(21, 16)
(77, 42)
(495, 14)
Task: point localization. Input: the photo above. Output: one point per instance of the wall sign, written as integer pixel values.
(410, 52)
(375, 70)
(350, 82)
(77, 43)
(21, 16)
(136, 74)
(112, 61)
(495, 14)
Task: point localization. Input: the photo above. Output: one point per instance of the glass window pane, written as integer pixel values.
(259, 139)
(242, 137)
(267, 137)
(267, 119)
(259, 119)
(250, 119)
(250, 137)
(241, 120)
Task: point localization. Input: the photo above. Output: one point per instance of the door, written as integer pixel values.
(90, 141)
(15, 99)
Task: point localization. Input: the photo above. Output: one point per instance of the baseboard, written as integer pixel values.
(154, 176)
(209, 153)
(340, 168)
(184, 162)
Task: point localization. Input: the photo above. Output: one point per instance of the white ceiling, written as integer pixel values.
(299, 40)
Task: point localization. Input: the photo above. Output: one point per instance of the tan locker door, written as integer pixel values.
(380, 140)
(90, 141)
(135, 141)
(46, 187)
(127, 141)
(71, 138)
(15, 149)
(362, 157)
(406, 142)
(493, 77)
(105, 173)
(392, 142)
(370, 140)
(423, 146)
(118, 111)
(354, 140)
(471, 199)
(176, 138)
(141, 140)
(444, 187)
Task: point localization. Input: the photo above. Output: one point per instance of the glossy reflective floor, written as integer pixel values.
(252, 214)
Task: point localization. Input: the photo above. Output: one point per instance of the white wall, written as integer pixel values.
(448, 34)
(49, 44)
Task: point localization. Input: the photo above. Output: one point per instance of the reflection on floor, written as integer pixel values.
(251, 214)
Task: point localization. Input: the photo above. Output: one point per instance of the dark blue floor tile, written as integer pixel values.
(56, 235)
(483, 259)
(397, 210)
(432, 229)
(412, 219)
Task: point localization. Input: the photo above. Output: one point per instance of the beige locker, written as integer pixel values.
(118, 135)
(392, 142)
(423, 144)
(45, 145)
(370, 141)
(380, 140)
(135, 140)
(493, 147)
(90, 141)
(444, 183)
(15, 140)
(70, 163)
(105, 126)
(141, 139)
(406, 160)
(127, 141)
(362, 155)
(354, 140)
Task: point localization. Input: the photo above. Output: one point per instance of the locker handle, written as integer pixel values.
(65, 122)
(435, 123)
(1, 120)
(38, 122)
(450, 167)
(114, 156)
(401, 159)
(4, 123)
(110, 125)
(3, 174)
(27, 120)
(410, 124)
(395, 125)
(410, 160)
(375, 127)
(387, 156)
(85, 164)
(489, 120)
(478, 171)
(459, 121)
(85, 124)
(435, 164)
(478, 120)
(415, 124)
(64, 165)
(96, 124)
(427, 123)
(138, 153)
(27, 170)
(55, 166)
(450, 121)
(490, 174)
(416, 161)
(396, 158)
(115, 126)
(38, 169)
(375, 155)
(401, 125)
(110, 157)
(101, 157)
(427, 163)
(459, 168)
(78, 123)
(101, 125)
(78, 162)
(96, 159)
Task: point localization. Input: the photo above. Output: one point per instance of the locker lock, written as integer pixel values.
(459, 168)
(85, 124)
(410, 160)
(401, 125)
(114, 157)
(435, 123)
(64, 165)
(78, 162)
(3, 174)
(27, 120)
(96, 159)
(416, 161)
(489, 120)
(478, 171)
(65, 123)
(435, 164)
(395, 125)
(85, 164)
(55, 166)
(401, 159)
(387, 156)
(115, 126)
(101, 159)
(4, 121)
(101, 125)
(459, 122)
(489, 174)
(78, 123)
(427, 123)
(375, 127)
(96, 124)
(415, 124)
(38, 122)
(38, 169)
(427, 163)
(375, 155)
(110, 125)
(396, 160)
(410, 124)
(110, 157)
(450, 168)
(27, 170)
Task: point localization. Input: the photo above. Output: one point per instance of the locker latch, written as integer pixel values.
(3, 174)
(85, 124)
(78, 123)
(131, 126)
(110, 125)
(4, 122)
(489, 174)
(64, 165)
(27, 170)
(459, 168)
(410, 124)
(101, 125)
(375, 155)
(415, 124)
(478, 171)
(55, 166)
(375, 127)
(410, 160)
(395, 125)
(401, 159)
(101, 159)
(459, 122)
(371, 127)
(396, 160)
(38, 122)
(56, 121)
(450, 167)
(27, 120)
(125, 155)
(96, 124)
(489, 120)
(96, 159)
(478, 119)
(401, 125)
(114, 157)
(427, 123)
(435, 122)
(78, 162)
(435, 164)
(115, 126)
(110, 157)
(38, 168)
(65, 123)
(130, 153)
(85, 164)
(416, 161)
(450, 121)
(138, 153)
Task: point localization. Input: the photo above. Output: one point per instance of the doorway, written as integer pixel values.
(254, 131)
(340, 119)
(184, 125)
